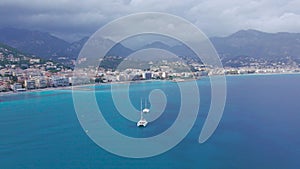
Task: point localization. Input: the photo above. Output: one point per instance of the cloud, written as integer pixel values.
(74, 19)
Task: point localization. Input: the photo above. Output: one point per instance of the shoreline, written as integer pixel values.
(138, 81)
(33, 90)
(266, 74)
(77, 87)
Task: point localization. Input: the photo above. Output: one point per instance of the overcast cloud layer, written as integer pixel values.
(74, 19)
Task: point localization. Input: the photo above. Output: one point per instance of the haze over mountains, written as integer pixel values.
(258, 44)
(244, 43)
(34, 42)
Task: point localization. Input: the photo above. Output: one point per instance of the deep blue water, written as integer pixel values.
(260, 128)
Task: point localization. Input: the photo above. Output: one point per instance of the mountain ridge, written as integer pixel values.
(38, 43)
(248, 43)
(258, 44)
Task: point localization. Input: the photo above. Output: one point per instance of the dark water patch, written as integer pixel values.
(29, 95)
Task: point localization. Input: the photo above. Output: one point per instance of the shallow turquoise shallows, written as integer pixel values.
(260, 128)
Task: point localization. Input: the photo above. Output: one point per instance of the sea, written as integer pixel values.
(259, 129)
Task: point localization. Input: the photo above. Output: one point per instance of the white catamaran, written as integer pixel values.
(143, 122)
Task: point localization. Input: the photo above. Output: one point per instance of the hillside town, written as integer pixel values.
(41, 75)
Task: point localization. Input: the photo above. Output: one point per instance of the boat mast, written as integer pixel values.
(141, 109)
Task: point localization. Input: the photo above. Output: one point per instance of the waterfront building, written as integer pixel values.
(40, 82)
(76, 80)
(16, 87)
(164, 75)
(3, 86)
(147, 75)
(29, 84)
(122, 77)
(57, 81)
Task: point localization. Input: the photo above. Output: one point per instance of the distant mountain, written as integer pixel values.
(156, 44)
(179, 49)
(74, 48)
(248, 43)
(244, 43)
(34, 42)
(119, 50)
(47, 46)
(258, 45)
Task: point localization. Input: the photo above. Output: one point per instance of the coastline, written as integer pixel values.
(266, 74)
(80, 87)
(77, 87)
(33, 90)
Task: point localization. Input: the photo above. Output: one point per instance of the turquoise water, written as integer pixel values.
(260, 128)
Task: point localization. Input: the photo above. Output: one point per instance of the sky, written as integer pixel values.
(72, 20)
